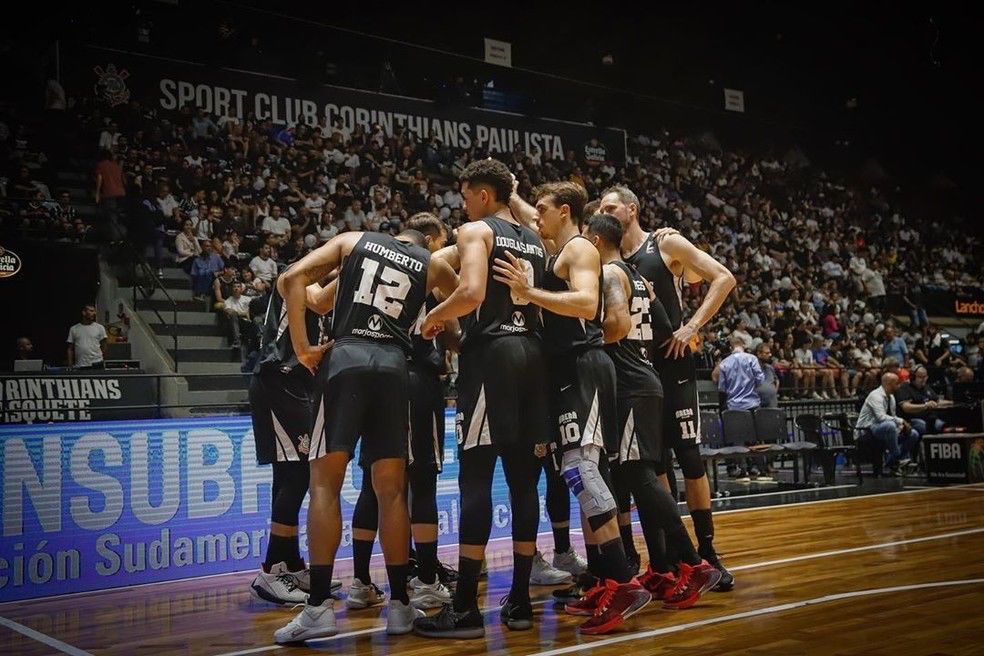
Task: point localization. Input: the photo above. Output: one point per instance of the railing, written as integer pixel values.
(139, 261)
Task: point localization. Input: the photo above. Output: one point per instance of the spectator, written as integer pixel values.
(187, 247)
(879, 426)
(167, 204)
(768, 390)
(917, 403)
(806, 364)
(828, 369)
(253, 287)
(355, 218)
(25, 349)
(965, 375)
(204, 269)
(874, 287)
(222, 286)
(277, 225)
(263, 266)
(738, 376)
(110, 192)
(894, 346)
(236, 309)
(87, 342)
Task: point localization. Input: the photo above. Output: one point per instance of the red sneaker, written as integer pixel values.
(659, 584)
(586, 605)
(692, 582)
(617, 603)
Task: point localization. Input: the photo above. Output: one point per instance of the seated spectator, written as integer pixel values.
(828, 369)
(87, 341)
(231, 244)
(768, 389)
(187, 247)
(325, 229)
(204, 268)
(805, 363)
(222, 285)
(25, 349)
(917, 403)
(879, 426)
(964, 375)
(277, 225)
(236, 308)
(263, 266)
(355, 218)
(253, 287)
(738, 376)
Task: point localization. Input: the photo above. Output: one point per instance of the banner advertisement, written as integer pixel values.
(117, 78)
(40, 398)
(96, 505)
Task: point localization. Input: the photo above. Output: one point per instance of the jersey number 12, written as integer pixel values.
(388, 297)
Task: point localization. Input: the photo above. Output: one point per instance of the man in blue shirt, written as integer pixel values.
(894, 346)
(738, 375)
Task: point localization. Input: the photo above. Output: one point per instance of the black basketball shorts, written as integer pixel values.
(426, 418)
(681, 411)
(582, 400)
(280, 403)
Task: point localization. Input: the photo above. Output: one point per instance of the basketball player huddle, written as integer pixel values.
(574, 360)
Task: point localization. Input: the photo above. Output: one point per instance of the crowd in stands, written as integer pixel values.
(816, 259)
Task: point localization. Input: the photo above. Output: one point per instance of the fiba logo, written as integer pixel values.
(518, 318)
(375, 322)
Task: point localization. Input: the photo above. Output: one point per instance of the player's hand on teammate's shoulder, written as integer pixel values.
(311, 356)
(662, 233)
(510, 272)
(431, 327)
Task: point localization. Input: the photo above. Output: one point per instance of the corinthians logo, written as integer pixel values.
(111, 85)
(375, 322)
(518, 318)
(10, 263)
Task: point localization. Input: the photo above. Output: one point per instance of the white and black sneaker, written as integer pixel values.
(311, 622)
(570, 561)
(428, 595)
(400, 617)
(279, 586)
(362, 595)
(543, 573)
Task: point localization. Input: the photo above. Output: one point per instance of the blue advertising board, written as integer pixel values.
(95, 505)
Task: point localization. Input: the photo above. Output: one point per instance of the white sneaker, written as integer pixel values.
(428, 595)
(545, 574)
(311, 622)
(304, 580)
(279, 587)
(361, 595)
(570, 561)
(400, 617)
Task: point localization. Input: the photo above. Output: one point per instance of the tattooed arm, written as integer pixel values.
(615, 287)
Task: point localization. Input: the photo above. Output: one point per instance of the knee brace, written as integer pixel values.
(423, 496)
(690, 463)
(580, 472)
(290, 484)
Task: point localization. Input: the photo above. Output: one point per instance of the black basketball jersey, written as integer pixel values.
(425, 352)
(632, 356)
(381, 289)
(276, 350)
(500, 314)
(565, 334)
(667, 287)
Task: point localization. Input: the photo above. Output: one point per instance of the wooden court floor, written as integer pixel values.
(895, 573)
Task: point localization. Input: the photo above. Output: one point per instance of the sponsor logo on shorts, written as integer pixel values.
(685, 413)
(509, 328)
(540, 450)
(518, 318)
(375, 323)
(304, 444)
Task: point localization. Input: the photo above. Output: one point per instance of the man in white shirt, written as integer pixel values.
(806, 365)
(237, 310)
(874, 287)
(453, 198)
(263, 266)
(355, 218)
(277, 225)
(87, 341)
(879, 426)
(315, 204)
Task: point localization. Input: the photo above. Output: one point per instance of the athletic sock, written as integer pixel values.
(361, 555)
(520, 590)
(628, 543)
(397, 575)
(614, 561)
(562, 539)
(704, 529)
(320, 584)
(466, 590)
(594, 560)
(427, 561)
(284, 549)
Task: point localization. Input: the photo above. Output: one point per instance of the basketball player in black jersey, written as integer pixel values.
(380, 289)
(280, 400)
(425, 366)
(501, 397)
(667, 264)
(582, 385)
(633, 315)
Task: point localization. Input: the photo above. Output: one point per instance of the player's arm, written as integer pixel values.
(474, 246)
(450, 255)
(697, 266)
(523, 211)
(321, 300)
(450, 337)
(615, 287)
(293, 285)
(583, 265)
